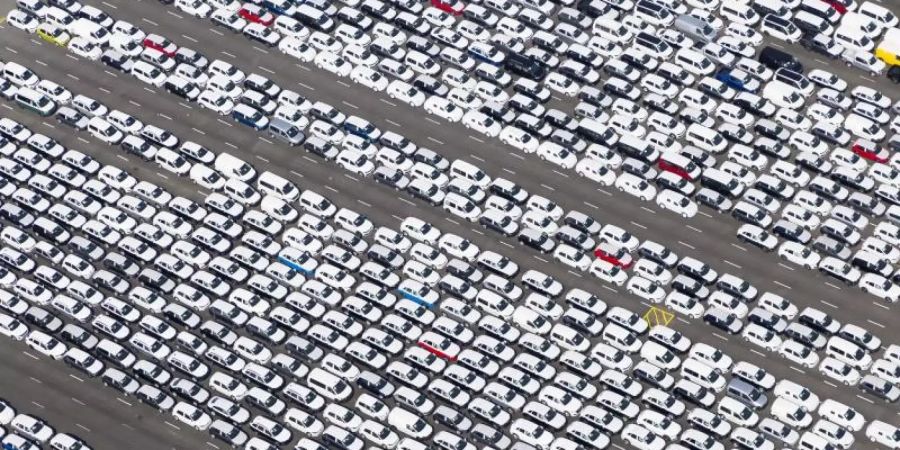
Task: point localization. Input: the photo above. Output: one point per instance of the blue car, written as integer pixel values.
(250, 116)
(298, 260)
(738, 80)
(363, 128)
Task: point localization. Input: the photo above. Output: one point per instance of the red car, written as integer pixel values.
(453, 7)
(439, 346)
(256, 14)
(160, 43)
(871, 151)
(839, 5)
(615, 255)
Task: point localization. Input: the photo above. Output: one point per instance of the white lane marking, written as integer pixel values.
(758, 353)
(342, 83)
(150, 90)
(828, 304)
(186, 106)
(83, 427)
(648, 210)
(172, 425)
(38, 405)
(40, 62)
(435, 140)
(111, 74)
(331, 189)
(694, 228)
(306, 86)
(869, 80)
(111, 6)
(560, 173)
(13, 51)
(231, 145)
(829, 284)
(476, 139)
(123, 401)
(128, 426)
(604, 192)
(880, 305)
(786, 266)
(451, 221)
(49, 125)
(79, 401)
(610, 288)
(477, 158)
(122, 158)
(638, 225)
(162, 176)
(164, 116)
(104, 90)
(387, 102)
(227, 54)
(77, 378)
(731, 264)
(224, 122)
(591, 205)
(7, 106)
(199, 131)
(516, 155)
(350, 105)
(174, 15)
(189, 38)
(36, 380)
(406, 201)
(72, 76)
(217, 32)
(781, 284)
(351, 177)
(81, 139)
(875, 323)
(301, 176)
(798, 370)
(266, 140)
(506, 244)
(432, 121)
(687, 245)
(865, 399)
(739, 247)
(549, 188)
(260, 50)
(266, 69)
(30, 355)
(682, 320)
(540, 259)
(829, 383)
(720, 337)
(304, 67)
(310, 160)
(134, 103)
(477, 232)
(576, 274)
(366, 204)
(212, 445)
(262, 159)
(150, 21)
(508, 171)
(776, 45)
(704, 214)
(71, 57)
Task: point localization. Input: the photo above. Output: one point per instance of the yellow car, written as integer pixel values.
(53, 34)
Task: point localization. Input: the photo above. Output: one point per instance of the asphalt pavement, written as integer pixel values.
(384, 206)
(707, 237)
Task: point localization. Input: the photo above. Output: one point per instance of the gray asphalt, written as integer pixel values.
(710, 239)
(130, 96)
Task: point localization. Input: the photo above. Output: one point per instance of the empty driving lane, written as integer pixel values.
(710, 239)
(383, 205)
(74, 403)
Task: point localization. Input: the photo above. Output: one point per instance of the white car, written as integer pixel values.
(296, 48)
(443, 108)
(880, 287)
(884, 434)
(406, 93)
(216, 100)
(636, 186)
(556, 154)
(842, 415)
(677, 203)
(369, 78)
(521, 140)
(593, 169)
(481, 123)
(333, 63)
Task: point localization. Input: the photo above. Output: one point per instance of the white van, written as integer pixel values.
(612, 29)
(328, 385)
(696, 371)
(694, 62)
(89, 31)
(36, 101)
(812, 441)
(470, 172)
(848, 352)
(233, 167)
(737, 11)
(104, 131)
(853, 38)
(783, 95)
(20, 75)
(408, 423)
(705, 137)
(866, 24)
(277, 186)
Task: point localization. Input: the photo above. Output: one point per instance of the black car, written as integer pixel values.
(893, 74)
(689, 286)
(693, 396)
(464, 270)
(451, 418)
(16, 215)
(117, 61)
(391, 177)
(536, 240)
(791, 231)
(227, 433)
(823, 45)
(723, 320)
(499, 112)
(879, 388)
(79, 336)
(185, 55)
(648, 374)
